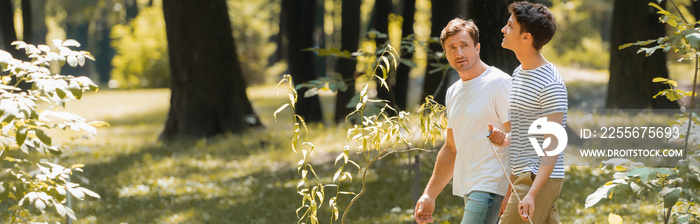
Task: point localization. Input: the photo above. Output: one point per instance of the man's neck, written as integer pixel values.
(479, 68)
(530, 59)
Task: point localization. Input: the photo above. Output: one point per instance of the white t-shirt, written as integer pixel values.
(471, 106)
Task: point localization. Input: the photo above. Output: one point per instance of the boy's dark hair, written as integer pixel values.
(536, 19)
(457, 25)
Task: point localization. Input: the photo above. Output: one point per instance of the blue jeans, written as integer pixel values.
(481, 207)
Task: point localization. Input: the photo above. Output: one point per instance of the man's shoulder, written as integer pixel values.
(496, 75)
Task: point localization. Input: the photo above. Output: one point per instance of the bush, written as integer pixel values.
(31, 180)
(142, 52)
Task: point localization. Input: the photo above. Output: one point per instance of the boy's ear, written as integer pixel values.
(527, 37)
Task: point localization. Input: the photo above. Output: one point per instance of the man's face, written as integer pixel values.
(461, 52)
(511, 34)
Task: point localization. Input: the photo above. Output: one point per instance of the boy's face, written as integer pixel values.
(511, 34)
(461, 52)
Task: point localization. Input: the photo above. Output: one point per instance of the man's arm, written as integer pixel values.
(546, 167)
(499, 138)
(442, 174)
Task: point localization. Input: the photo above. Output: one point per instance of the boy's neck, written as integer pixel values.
(530, 58)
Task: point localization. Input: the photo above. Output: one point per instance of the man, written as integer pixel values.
(479, 98)
(538, 91)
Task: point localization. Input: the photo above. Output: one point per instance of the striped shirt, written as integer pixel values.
(535, 93)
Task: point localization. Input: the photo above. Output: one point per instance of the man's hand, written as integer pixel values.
(424, 210)
(526, 208)
(504, 202)
(496, 136)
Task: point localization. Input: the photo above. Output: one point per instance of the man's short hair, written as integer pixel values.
(457, 25)
(535, 19)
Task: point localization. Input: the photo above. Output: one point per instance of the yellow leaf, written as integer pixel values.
(614, 219)
(673, 83)
(659, 79)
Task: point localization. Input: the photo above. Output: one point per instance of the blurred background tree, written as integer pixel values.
(141, 59)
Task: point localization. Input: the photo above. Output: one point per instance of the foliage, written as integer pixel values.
(31, 181)
(675, 187)
(374, 137)
(367, 60)
(142, 52)
(581, 39)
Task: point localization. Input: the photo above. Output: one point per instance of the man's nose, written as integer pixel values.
(460, 52)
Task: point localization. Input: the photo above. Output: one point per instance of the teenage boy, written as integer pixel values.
(538, 91)
(467, 157)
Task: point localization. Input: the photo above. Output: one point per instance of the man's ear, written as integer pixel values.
(478, 48)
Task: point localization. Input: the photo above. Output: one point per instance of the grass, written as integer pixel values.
(251, 178)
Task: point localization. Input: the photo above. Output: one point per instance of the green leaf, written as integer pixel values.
(598, 195)
(342, 86)
(42, 136)
(671, 196)
(75, 89)
(408, 62)
(310, 92)
(645, 174)
(693, 40)
(691, 195)
(61, 93)
(21, 135)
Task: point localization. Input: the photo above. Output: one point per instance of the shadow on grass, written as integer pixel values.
(148, 118)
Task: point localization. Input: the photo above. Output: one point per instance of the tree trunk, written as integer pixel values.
(380, 23)
(490, 17)
(695, 7)
(350, 28)
(299, 22)
(105, 52)
(630, 85)
(132, 9)
(208, 90)
(27, 21)
(400, 86)
(7, 28)
(442, 12)
(39, 25)
(382, 9)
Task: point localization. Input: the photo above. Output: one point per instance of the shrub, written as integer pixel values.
(32, 181)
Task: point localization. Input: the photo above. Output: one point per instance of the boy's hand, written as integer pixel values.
(526, 208)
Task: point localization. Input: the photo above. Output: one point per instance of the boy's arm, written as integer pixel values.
(442, 174)
(527, 206)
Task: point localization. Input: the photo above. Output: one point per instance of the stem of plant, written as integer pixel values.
(692, 101)
(362, 191)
